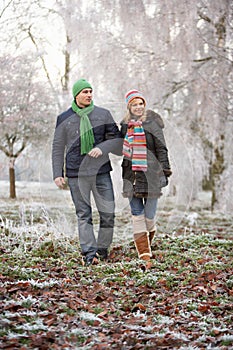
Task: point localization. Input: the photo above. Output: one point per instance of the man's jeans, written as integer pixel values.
(102, 190)
(146, 206)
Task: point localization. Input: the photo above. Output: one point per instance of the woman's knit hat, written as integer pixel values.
(132, 94)
(79, 86)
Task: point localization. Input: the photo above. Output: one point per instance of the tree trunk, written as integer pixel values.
(12, 178)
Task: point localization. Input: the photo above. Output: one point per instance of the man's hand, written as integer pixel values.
(95, 152)
(60, 182)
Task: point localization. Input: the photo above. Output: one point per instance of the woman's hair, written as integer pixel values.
(148, 114)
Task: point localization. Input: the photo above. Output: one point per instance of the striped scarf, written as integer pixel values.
(134, 146)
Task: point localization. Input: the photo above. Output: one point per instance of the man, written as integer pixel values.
(86, 134)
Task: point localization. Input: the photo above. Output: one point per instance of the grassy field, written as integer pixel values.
(50, 301)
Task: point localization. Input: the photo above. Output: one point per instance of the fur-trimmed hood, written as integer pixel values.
(151, 115)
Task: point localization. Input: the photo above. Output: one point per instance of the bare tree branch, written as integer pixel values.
(5, 8)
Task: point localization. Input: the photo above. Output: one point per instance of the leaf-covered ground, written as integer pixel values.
(50, 301)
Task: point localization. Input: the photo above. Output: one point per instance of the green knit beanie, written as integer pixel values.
(79, 86)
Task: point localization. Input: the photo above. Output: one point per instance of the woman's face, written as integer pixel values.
(137, 107)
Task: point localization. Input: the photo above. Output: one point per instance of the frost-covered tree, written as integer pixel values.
(178, 53)
(223, 160)
(36, 26)
(25, 110)
(211, 88)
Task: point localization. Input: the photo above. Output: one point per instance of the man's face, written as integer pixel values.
(84, 98)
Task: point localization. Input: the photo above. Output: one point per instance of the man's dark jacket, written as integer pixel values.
(67, 142)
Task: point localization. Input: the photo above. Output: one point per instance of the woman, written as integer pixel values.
(145, 168)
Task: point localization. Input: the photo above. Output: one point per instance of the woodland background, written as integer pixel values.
(178, 53)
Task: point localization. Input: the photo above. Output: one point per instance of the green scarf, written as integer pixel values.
(86, 132)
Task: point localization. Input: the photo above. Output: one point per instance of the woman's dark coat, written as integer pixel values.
(148, 184)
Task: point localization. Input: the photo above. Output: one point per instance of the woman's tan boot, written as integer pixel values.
(151, 237)
(141, 239)
(151, 228)
(142, 244)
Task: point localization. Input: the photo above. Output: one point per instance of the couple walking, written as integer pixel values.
(84, 136)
